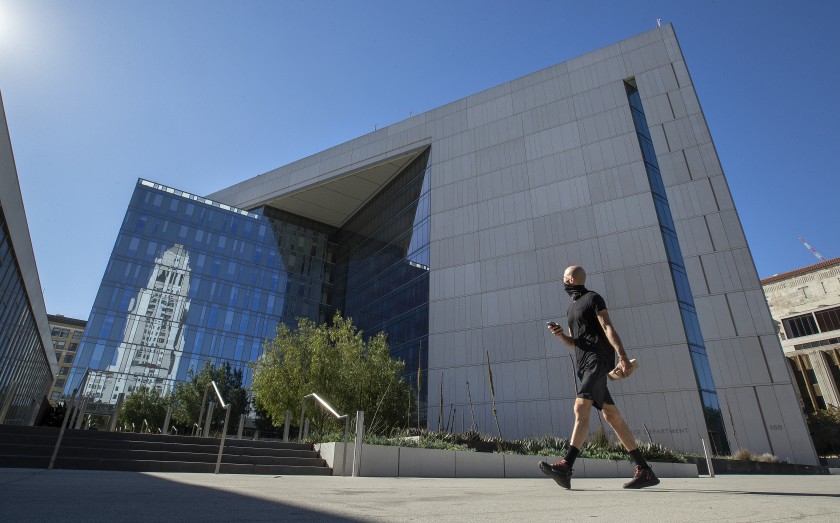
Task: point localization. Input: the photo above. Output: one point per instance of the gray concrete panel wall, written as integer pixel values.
(546, 171)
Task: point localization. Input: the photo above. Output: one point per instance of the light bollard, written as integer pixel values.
(708, 458)
(167, 420)
(286, 426)
(357, 448)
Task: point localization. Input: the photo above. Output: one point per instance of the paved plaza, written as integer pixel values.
(69, 495)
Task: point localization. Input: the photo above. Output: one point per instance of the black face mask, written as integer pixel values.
(575, 291)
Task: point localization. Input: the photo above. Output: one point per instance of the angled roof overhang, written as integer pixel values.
(333, 202)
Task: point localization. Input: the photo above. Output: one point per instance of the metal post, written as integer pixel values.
(286, 426)
(344, 440)
(167, 420)
(357, 449)
(300, 427)
(7, 401)
(80, 416)
(34, 415)
(222, 443)
(708, 457)
(241, 426)
(210, 408)
(201, 412)
(112, 423)
(305, 429)
(64, 424)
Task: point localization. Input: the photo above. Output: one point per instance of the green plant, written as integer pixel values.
(339, 364)
(600, 447)
(187, 396)
(144, 403)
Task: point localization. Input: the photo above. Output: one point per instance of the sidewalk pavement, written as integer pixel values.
(75, 495)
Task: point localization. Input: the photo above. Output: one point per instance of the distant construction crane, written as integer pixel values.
(813, 250)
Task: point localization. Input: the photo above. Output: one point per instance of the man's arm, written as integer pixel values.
(624, 366)
(558, 331)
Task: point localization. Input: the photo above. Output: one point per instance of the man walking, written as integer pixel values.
(596, 342)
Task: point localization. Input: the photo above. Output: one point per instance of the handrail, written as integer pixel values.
(332, 411)
(218, 395)
(325, 405)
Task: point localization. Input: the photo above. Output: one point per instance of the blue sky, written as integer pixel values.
(199, 95)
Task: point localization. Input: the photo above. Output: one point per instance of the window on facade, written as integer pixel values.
(68, 358)
(59, 345)
(828, 319)
(63, 371)
(60, 333)
(55, 395)
(73, 347)
(803, 325)
(77, 335)
(59, 382)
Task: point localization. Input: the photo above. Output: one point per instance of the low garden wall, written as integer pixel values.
(392, 461)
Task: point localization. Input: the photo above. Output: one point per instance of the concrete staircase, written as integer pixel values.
(32, 447)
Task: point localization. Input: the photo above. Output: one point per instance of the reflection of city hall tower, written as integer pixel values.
(151, 347)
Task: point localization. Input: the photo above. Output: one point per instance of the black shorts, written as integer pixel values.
(593, 384)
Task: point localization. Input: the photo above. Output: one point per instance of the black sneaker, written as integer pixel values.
(560, 472)
(642, 478)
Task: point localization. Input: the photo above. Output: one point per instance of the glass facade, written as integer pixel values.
(24, 369)
(699, 358)
(191, 280)
(382, 269)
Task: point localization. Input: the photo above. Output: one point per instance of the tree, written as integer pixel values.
(144, 403)
(337, 363)
(187, 396)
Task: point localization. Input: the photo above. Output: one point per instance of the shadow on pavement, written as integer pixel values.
(749, 493)
(74, 495)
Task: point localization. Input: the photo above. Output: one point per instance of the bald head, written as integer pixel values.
(574, 275)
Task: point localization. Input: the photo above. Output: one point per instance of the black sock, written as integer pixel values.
(571, 455)
(638, 458)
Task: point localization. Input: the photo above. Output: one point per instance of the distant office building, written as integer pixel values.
(450, 232)
(66, 334)
(805, 305)
(27, 360)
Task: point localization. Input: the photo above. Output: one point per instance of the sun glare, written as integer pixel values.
(9, 25)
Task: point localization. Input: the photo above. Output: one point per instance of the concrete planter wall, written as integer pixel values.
(386, 461)
(731, 466)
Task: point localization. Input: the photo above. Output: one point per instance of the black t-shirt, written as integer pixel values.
(591, 343)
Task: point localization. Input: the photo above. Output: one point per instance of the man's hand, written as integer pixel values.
(624, 367)
(557, 330)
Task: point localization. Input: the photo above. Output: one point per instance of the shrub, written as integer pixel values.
(742, 455)
(825, 430)
(746, 455)
(599, 447)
